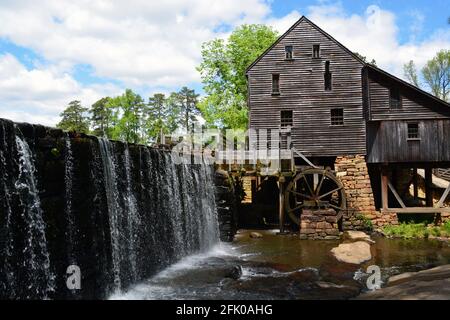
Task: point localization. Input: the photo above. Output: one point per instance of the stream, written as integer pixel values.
(283, 267)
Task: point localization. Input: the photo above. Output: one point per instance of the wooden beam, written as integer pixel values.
(281, 203)
(444, 196)
(428, 185)
(384, 188)
(400, 201)
(416, 210)
(415, 184)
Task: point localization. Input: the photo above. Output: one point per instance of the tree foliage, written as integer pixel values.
(101, 118)
(364, 58)
(162, 116)
(185, 102)
(74, 118)
(128, 117)
(223, 74)
(436, 74)
(410, 72)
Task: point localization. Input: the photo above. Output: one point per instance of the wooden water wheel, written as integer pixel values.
(314, 189)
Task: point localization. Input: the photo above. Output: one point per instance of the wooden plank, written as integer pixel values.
(428, 187)
(444, 196)
(281, 183)
(415, 183)
(415, 210)
(384, 188)
(400, 201)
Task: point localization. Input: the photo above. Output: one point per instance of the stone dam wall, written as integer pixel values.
(120, 212)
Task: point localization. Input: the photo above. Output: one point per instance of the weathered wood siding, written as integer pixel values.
(302, 90)
(414, 104)
(388, 142)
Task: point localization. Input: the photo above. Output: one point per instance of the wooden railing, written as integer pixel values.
(442, 173)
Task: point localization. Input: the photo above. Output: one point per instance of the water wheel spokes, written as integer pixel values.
(314, 189)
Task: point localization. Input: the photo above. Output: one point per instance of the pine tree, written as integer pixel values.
(101, 118)
(74, 118)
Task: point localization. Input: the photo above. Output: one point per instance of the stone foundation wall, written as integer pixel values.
(361, 213)
(226, 205)
(319, 224)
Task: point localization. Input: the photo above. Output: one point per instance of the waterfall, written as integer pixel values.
(132, 215)
(112, 202)
(7, 276)
(120, 212)
(39, 278)
(68, 184)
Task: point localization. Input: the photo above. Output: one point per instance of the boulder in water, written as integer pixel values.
(353, 253)
(235, 273)
(255, 235)
(354, 236)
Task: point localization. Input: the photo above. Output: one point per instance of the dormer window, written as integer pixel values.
(316, 51)
(327, 76)
(289, 52)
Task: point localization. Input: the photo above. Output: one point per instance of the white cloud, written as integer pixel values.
(138, 42)
(374, 34)
(155, 45)
(39, 95)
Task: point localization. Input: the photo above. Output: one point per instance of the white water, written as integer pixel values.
(37, 261)
(114, 210)
(151, 289)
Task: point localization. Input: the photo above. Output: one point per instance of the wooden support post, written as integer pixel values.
(444, 196)
(396, 195)
(281, 181)
(428, 187)
(384, 187)
(253, 183)
(415, 184)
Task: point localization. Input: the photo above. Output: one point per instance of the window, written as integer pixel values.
(275, 84)
(286, 118)
(395, 101)
(316, 51)
(327, 76)
(337, 117)
(289, 52)
(413, 131)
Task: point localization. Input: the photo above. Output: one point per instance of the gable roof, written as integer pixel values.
(407, 84)
(363, 63)
(303, 18)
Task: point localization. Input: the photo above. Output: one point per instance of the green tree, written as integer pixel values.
(183, 104)
(436, 74)
(74, 118)
(101, 118)
(223, 74)
(410, 72)
(127, 111)
(364, 58)
(160, 117)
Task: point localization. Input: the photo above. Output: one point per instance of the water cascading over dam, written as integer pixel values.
(119, 212)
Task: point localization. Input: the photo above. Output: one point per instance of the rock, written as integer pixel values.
(353, 253)
(431, 284)
(357, 236)
(235, 273)
(327, 285)
(255, 235)
(400, 277)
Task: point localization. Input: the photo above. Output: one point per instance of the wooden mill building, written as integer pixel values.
(374, 130)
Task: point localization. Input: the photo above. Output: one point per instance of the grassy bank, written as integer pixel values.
(417, 230)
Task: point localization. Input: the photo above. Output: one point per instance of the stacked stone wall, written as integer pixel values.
(361, 211)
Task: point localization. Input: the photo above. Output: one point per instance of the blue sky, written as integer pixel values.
(52, 52)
